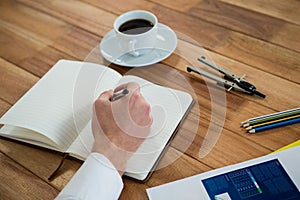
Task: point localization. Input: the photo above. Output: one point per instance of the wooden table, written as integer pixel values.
(257, 37)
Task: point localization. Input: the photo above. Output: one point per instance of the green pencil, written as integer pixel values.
(271, 117)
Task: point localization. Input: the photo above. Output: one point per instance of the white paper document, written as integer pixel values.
(274, 176)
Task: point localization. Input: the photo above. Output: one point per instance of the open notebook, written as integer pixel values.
(56, 113)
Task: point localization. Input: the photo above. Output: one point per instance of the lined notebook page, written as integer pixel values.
(82, 146)
(168, 107)
(47, 108)
(27, 135)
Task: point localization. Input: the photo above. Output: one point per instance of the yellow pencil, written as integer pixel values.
(271, 122)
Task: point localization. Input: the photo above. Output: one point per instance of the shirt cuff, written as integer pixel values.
(97, 178)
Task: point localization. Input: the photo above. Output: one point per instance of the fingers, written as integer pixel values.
(124, 122)
(131, 86)
(141, 112)
(134, 104)
(103, 100)
(140, 109)
(106, 95)
(134, 93)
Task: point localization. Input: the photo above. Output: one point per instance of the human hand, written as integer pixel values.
(120, 127)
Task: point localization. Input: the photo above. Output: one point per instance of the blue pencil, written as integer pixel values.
(295, 110)
(275, 125)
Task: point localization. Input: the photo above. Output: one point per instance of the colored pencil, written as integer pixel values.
(269, 117)
(275, 125)
(272, 122)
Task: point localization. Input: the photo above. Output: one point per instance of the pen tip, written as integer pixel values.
(125, 91)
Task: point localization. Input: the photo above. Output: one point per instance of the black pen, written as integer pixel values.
(119, 94)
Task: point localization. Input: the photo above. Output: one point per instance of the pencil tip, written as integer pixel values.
(251, 131)
(246, 125)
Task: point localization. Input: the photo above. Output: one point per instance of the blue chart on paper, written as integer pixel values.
(266, 180)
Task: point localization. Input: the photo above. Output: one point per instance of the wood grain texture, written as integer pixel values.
(219, 38)
(41, 162)
(258, 38)
(20, 183)
(286, 10)
(258, 25)
(14, 81)
(4, 106)
(222, 40)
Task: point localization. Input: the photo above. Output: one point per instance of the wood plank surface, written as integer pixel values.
(285, 10)
(18, 181)
(12, 89)
(257, 53)
(259, 38)
(258, 25)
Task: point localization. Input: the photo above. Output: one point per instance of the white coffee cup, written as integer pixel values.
(133, 37)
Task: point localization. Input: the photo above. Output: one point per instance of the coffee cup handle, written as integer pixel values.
(132, 50)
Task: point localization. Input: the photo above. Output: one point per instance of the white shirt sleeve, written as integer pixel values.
(97, 179)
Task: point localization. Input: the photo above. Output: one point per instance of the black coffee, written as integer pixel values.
(136, 26)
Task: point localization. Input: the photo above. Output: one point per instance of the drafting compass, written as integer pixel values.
(230, 80)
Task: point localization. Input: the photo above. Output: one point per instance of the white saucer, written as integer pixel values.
(165, 45)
